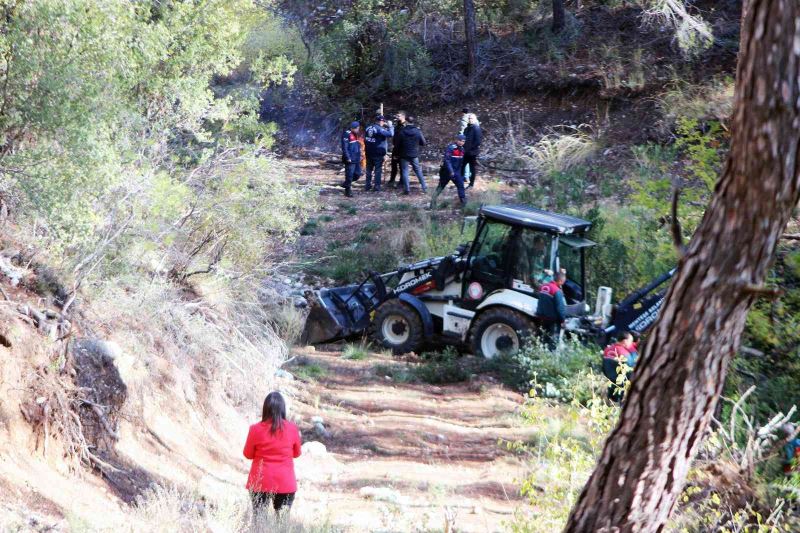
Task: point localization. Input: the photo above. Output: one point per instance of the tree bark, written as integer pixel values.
(469, 32)
(676, 386)
(559, 16)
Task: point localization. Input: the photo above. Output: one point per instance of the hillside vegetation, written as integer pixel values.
(167, 191)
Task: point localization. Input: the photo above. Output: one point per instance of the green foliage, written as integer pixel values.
(309, 371)
(633, 248)
(445, 367)
(702, 148)
(565, 374)
(370, 42)
(439, 238)
(349, 263)
(116, 142)
(395, 372)
(561, 457)
(355, 352)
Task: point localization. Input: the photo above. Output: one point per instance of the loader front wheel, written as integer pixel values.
(500, 330)
(397, 326)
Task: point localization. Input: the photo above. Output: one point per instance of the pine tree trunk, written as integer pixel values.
(559, 16)
(675, 389)
(469, 32)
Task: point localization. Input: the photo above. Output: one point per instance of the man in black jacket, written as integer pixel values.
(411, 139)
(472, 147)
(375, 144)
(400, 117)
(351, 156)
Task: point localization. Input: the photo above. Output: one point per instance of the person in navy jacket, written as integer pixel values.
(376, 146)
(452, 170)
(351, 157)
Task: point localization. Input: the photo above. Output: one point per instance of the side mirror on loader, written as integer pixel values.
(602, 307)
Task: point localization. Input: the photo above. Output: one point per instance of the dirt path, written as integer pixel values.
(404, 456)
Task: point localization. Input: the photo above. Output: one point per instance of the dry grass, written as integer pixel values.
(289, 322)
(227, 346)
(171, 510)
(557, 151)
(711, 101)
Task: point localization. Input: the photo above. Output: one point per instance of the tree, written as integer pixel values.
(559, 16)
(469, 32)
(644, 464)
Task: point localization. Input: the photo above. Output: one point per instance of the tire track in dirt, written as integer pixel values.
(432, 448)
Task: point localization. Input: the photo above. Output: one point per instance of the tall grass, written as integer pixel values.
(558, 152)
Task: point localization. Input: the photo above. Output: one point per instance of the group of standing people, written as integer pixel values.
(460, 156)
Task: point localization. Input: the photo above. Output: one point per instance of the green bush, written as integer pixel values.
(355, 352)
(444, 367)
(568, 373)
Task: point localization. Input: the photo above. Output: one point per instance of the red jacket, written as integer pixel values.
(618, 351)
(550, 288)
(273, 458)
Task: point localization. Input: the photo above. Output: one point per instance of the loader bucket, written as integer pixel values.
(321, 325)
(342, 311)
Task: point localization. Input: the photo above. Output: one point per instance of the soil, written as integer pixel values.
(437, 448)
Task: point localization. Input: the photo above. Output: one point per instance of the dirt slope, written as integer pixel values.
(430, 451)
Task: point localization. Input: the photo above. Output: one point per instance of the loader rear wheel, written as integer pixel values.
(397, 326)
(498, 330)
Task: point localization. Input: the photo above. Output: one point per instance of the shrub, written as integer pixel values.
(309, 371)
(289, 322)
(445, 367)
(558, 152)
(355, 352)
(478, 199)
(567, 373)
(560, 458)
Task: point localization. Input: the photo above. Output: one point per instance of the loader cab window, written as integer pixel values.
(489, 256)
(571, 251)
(532, 257)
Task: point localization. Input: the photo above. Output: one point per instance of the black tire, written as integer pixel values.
(403, 333)
(511, 329)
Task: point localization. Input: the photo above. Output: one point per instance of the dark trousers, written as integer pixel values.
(414, 162)
(611, 371)
(262, 501)
(444, 179)
(471, 161)
(374, 164)
(352, 171)
(395, 170)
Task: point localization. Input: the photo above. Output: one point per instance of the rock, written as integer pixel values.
(283, 374)
(288, 281)
(382, 494)
(314, 449)
(317, 420)
(300, 302)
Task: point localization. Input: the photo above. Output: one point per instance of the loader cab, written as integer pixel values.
(518, 247)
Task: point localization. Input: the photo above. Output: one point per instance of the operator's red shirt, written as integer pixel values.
(273, 458)
(550, 288)
(618, 351)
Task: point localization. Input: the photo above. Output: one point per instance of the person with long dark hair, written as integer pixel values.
(272, 445)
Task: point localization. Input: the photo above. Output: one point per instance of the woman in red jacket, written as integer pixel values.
(272, 444)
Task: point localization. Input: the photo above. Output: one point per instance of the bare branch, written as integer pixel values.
(675, 225)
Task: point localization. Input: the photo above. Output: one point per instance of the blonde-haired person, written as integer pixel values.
(472, 147)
